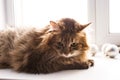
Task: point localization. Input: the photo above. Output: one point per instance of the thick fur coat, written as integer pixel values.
(62, 45)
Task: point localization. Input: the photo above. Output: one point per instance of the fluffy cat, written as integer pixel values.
(59, 46)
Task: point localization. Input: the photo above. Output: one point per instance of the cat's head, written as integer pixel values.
(67, 37)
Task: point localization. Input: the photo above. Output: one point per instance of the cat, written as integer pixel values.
(61, 45)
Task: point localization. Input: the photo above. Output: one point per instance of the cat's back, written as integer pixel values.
(7, 37)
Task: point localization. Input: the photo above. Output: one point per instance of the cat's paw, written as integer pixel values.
(81, 65)
(91, 62)
(85, 65)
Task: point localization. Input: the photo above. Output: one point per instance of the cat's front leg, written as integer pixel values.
(76, 65)
(68, 64)
(86, 64)
(83, 65)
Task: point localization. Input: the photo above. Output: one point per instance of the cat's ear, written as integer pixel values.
(54, 26)
(83, 26)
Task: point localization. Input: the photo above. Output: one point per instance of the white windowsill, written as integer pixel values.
(104, 69)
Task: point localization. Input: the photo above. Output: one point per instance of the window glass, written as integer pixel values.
(40, 12)
(114, 14)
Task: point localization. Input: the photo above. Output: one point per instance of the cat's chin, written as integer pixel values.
(70, 55)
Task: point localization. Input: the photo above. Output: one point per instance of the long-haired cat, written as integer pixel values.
(59, 46)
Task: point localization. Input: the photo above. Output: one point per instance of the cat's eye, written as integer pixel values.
(74, 45)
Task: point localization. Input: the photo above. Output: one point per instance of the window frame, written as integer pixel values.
(98, 14)
(92, 19)
(2, 14)
(103, 34)
(9, 12)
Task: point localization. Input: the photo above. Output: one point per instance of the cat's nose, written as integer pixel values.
(66, 51)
